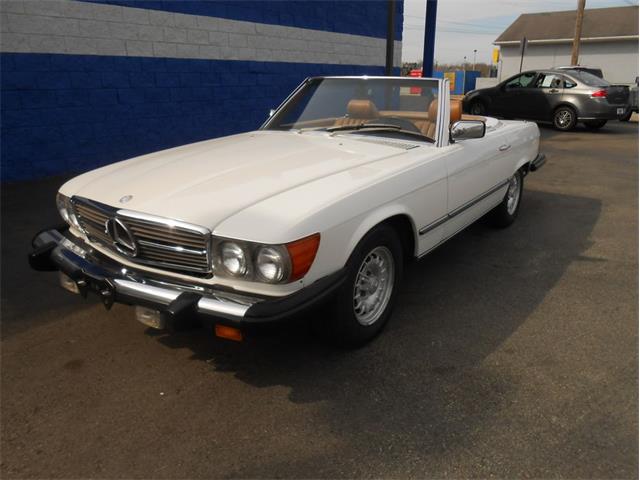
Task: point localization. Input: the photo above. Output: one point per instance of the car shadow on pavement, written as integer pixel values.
(548, 131)
(456, 307)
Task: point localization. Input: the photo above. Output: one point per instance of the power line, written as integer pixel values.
(463, 32)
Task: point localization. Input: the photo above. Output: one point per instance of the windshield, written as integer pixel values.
(588, 79)
(389, 106)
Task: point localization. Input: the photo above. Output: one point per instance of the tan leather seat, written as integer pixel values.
(428, 127)
(455, 112)
(358, 111)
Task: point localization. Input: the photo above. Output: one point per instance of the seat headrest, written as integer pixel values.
(362, 109)
(455, 110)
(432, 112)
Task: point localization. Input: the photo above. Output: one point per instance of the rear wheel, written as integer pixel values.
(595, 124)
(565, 118)
(364, 302)
(505, 214)
(478, 108)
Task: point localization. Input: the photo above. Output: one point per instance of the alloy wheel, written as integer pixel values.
(373, 286)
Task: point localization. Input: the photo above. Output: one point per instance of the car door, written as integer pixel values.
(514, 99)
(474, 179)
(545, 95)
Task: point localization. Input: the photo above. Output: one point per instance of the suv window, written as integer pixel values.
(521, 81)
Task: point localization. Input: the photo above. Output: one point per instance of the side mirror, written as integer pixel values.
(467, 129)
(271, 112)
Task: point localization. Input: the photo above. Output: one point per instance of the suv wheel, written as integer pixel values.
(478, 108)
(565, 118)
(627, 116)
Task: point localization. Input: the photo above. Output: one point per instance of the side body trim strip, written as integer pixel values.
(462, 208)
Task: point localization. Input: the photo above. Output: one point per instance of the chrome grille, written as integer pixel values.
(93, 218)
(160, 242)
(178, 247)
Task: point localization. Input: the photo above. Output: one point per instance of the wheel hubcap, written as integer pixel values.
(563, 118)
(513, 194)
(373, 285)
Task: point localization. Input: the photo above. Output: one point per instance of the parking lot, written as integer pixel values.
(511, 353)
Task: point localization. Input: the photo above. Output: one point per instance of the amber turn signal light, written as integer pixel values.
(302, 253)
(229, 333)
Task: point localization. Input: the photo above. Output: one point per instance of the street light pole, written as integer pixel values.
(429, 38)
(474, 59)
(391, 36)
(464, 73)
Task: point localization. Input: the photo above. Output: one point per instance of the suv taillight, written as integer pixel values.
(599, 94)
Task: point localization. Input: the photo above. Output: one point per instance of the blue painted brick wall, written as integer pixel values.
(72, 113)
(358, 17)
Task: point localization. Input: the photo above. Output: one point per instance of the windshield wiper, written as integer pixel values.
(361, 126)
(379, 127)
(358, 126)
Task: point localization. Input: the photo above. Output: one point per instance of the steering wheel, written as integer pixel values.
(403, 123)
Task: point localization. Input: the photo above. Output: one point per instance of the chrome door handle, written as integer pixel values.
(554, 90)
(504, 148)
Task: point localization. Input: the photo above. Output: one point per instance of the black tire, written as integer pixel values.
(627, 116)
(595, 124)
(478, 107)
(341, 325)
(504, 214)
(565, 118)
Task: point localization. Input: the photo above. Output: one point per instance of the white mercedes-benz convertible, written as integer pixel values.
(349, 178)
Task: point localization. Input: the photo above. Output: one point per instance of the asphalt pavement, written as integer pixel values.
(512, 353)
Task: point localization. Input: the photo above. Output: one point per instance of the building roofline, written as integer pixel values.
(615, 38)
(600, 24)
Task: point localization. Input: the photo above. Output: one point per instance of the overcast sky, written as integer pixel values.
(465, 25)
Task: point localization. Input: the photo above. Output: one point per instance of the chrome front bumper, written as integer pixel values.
(93, 272)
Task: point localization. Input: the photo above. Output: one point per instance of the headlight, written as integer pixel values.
(63, 205)
(272, 263)
(233, 258)
(264, 263)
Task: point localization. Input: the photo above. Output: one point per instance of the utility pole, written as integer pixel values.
(523, 48)
(575, 51)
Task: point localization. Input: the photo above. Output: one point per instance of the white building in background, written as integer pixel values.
(609, 41)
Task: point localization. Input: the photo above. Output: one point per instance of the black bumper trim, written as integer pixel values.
(538, 162)
(279, 308)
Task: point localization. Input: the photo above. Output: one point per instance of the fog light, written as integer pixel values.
(68, 283)
(151, 318)
(229, 333)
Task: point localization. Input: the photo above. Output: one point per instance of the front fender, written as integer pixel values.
(377, 217)
(528, 145)
(338, 242)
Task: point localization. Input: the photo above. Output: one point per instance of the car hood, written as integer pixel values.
(207, 182)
